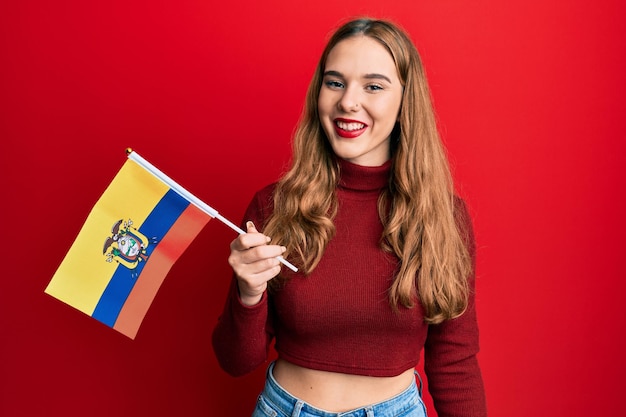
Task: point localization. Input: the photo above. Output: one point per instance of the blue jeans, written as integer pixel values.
(274, 401)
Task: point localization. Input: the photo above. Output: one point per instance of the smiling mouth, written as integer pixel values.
(349, 126)
(349, 129)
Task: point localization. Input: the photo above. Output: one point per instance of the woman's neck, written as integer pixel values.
(363, 178)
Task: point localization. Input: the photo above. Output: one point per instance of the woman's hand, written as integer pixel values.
(254, 262)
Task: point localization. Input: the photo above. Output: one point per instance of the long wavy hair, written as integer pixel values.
(418, 207)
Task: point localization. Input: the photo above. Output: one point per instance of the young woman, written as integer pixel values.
(385, 250)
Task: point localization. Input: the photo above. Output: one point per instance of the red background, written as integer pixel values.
(530, 95)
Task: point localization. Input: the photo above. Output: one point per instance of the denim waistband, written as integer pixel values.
(293, 406)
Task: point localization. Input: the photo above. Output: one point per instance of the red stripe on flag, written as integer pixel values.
(173, 244)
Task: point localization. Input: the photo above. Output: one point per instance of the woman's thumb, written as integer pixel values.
(250, 227)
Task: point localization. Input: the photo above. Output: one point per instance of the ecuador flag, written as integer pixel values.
(136, 231)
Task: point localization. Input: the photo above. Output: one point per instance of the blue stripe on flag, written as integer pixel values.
(156, 225)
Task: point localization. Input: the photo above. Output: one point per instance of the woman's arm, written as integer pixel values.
(243, 333)
(450, 361)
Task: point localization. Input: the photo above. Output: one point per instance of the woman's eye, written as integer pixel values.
(333, 84)
(374, 87)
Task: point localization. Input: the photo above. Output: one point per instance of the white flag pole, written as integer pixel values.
(132, 155)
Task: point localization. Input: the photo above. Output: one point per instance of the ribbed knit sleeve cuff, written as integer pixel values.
(244, 313)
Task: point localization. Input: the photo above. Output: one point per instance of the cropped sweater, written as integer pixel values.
(338, 318)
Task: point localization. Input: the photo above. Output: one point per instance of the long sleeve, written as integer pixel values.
(242, 335)
(450, 361)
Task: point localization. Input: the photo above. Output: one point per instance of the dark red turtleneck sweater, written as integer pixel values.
(339, 319)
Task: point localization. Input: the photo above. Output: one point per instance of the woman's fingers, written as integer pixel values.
(255, 260)
(259, 253)
(248, 241)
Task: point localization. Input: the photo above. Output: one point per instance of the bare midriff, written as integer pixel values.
(337, 392)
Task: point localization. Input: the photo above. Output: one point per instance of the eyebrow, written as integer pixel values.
(372, 76)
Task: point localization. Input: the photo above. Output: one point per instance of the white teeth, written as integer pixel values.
(350, 126)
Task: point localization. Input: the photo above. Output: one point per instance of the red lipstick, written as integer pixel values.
(348, 128)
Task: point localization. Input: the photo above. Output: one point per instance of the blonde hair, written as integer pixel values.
(417, 209)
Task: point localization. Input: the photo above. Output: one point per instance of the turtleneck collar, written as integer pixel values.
(361, 178)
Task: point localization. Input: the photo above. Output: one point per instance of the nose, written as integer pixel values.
(350, 100)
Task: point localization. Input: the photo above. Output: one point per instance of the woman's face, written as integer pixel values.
(359, 100)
